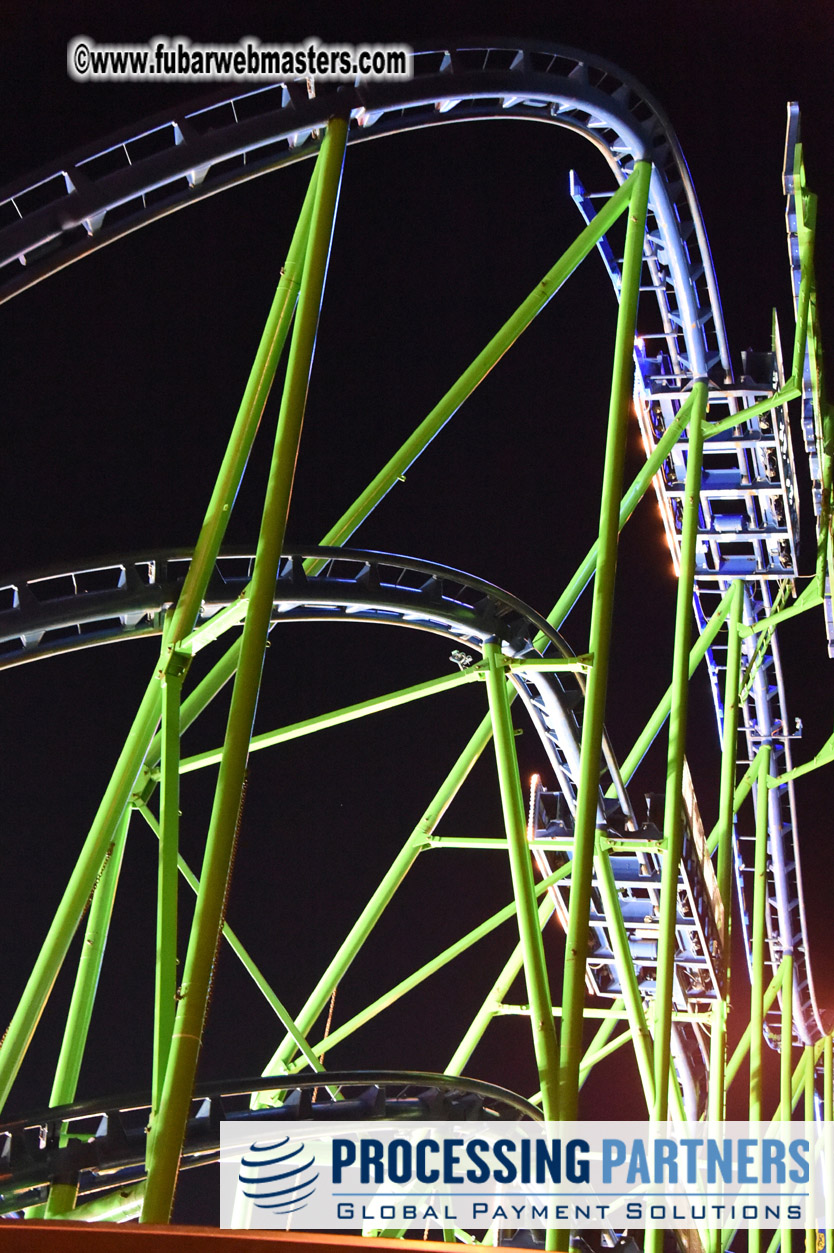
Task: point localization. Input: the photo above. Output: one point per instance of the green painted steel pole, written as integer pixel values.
(808, 1114)
(65, 1085)
(631, 499)
(242, 954)
(167, 1131)
(337, 717)
(535, 966)
(165, 974)
(828, 1117)
(785, 1076)
(743, 1046)
(573, 996)
(367, 920)
(62, 1195)
(759, 938)
(655, 723)
(245, 427)
(495, 996)
(729, 756)
(393, 471)
(437, 963)
(73, 903)
(673, 808)
(612, 908)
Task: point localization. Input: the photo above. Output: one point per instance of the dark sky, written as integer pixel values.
(120, 379)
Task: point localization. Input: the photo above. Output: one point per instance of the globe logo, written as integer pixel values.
(276, 1175)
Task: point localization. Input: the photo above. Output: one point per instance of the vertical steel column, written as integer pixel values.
(759, 938)
(828, 1117)
(166, 1135)
(785, 1075)
(165, 982)
(573, 996)
(673, 808)
(754, 1236)
(724, 872)
(808, 1114)
(530, 935)
(496, 994)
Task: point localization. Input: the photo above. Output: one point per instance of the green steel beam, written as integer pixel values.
(437, 963)
(632, 997)
(828, 1117)
(673, 807)
(62, 1195)
(743, 1046)
(165, 980)
(661, 712)
(246, 425)
(494, 998)
(367, 920)
(167, 1131)
(717, 1099)
(394, 470)
(783, 1114)
(65, 1084)
(641, 484)
(545, 1045)
(573, 995)
(258, 978)
(759, 939)
(268, 739)
(82, 880)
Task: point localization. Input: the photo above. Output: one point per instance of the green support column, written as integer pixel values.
(515, 825)
(166, 1134)
(165, 982)
(808, 1115)
(759, 939)
(758, 962)
(828, 1117)
(785, 1073)
(724, 835)
(573, 996)
(673, 808)
(65, 1085)
(255, 396)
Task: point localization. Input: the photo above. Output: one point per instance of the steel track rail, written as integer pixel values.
(100, 1145)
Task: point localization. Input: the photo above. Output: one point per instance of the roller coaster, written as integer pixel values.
(647, 906)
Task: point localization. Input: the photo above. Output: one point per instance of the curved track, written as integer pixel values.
(748, 497)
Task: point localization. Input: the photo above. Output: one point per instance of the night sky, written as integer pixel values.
(122, 374)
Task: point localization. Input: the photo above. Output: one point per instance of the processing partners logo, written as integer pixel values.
(373, 1176)
(275, 1175)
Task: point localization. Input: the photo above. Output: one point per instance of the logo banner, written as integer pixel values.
(379, 1176)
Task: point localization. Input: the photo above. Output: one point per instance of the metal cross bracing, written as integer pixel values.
(647, 910)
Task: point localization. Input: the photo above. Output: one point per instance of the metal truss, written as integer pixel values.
(646, 906)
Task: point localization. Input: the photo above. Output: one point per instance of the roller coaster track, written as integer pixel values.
(748, 520)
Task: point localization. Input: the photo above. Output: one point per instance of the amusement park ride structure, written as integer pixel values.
(647, 907)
